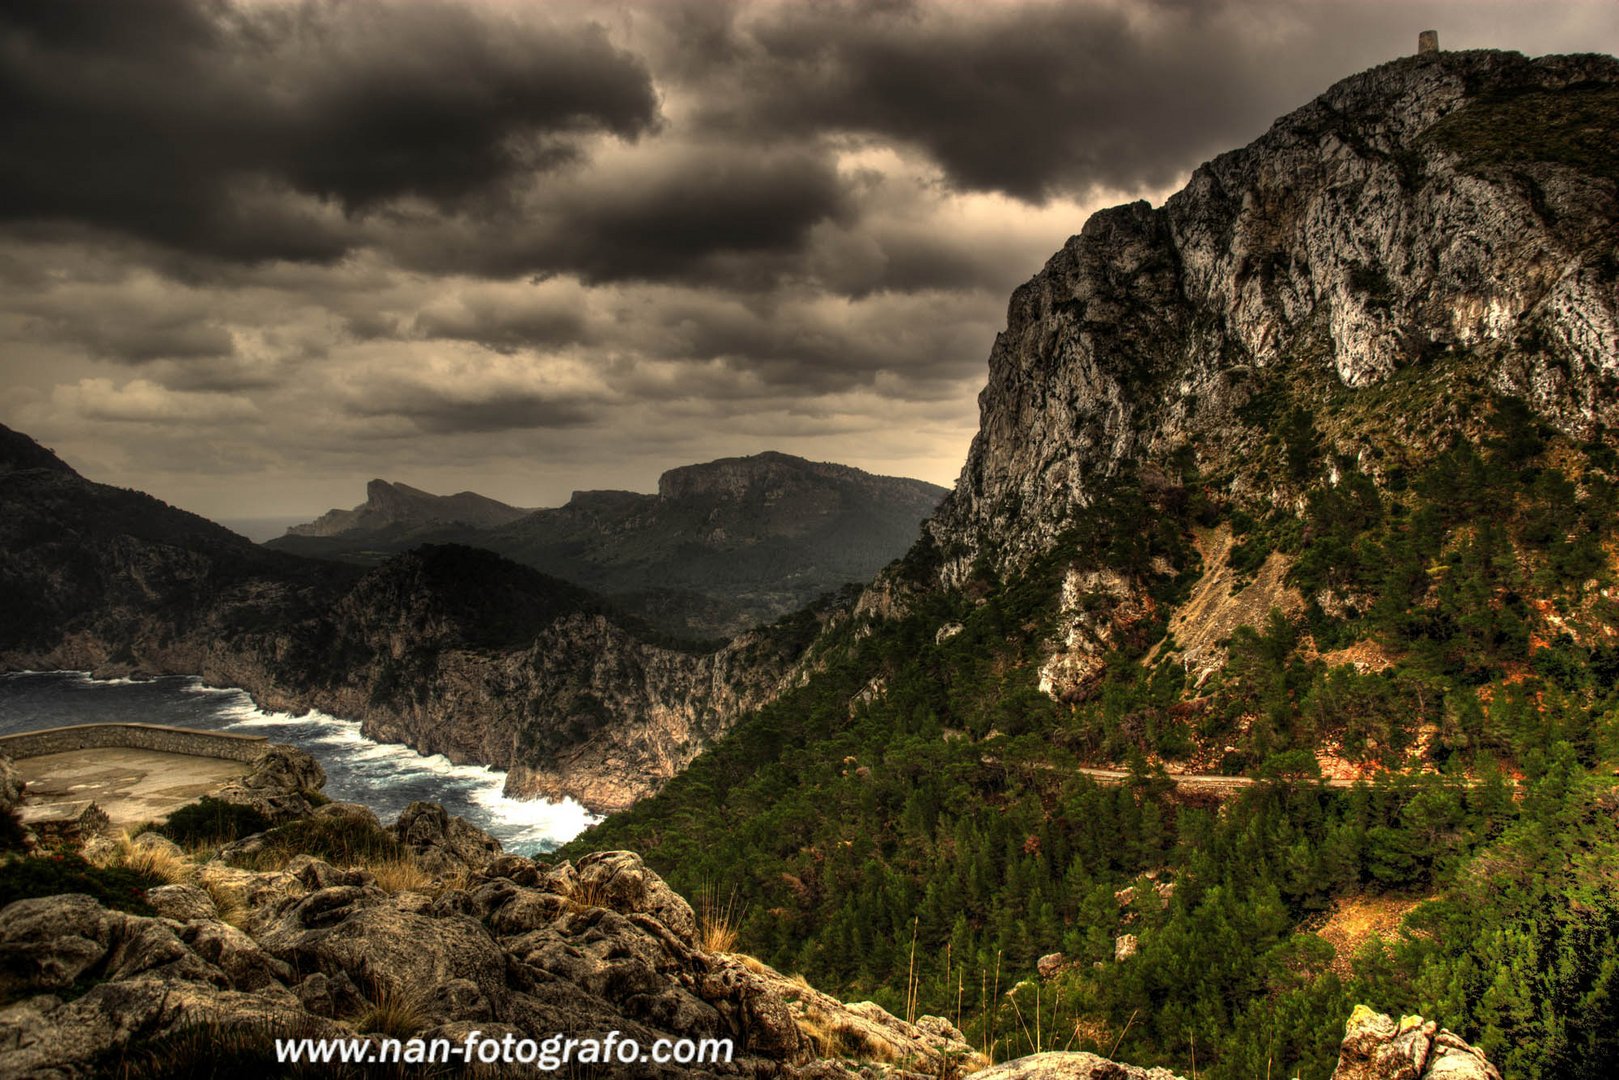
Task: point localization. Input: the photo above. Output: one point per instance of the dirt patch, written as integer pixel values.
(1365, 656)
(1355, 919)
(1213, 612)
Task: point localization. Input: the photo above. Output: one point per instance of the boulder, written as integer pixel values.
(1377, 1047)
(1069, 1066)
(621, 881)
(353, 931)
(182, 903)
(151, 841)
(1050, 965)
(242, 961)
(278, 784)
(358, 813)
(443, 843)
(50, 941)
(49, 1038)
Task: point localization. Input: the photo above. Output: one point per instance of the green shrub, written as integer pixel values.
(340, 841)
(11, 831)
(55, 874)
(209, 822)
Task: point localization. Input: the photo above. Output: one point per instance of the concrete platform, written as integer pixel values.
(131, 786)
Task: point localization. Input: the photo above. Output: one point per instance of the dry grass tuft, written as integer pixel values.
(719, 922)
(159, 862)
(400, 875)
(229, 902)
(825, 1038)
(404, 874)
(833, 1038)
(392, 1014)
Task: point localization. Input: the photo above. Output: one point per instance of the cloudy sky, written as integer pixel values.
(255, 253)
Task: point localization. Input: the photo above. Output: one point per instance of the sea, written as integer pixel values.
(387, 777)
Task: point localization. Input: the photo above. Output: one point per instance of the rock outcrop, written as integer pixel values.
(1378, 1047)
(1392, 229)
(1070, 1066)
(526, 948)
(279, 783)
(441, 842)
(12, 786)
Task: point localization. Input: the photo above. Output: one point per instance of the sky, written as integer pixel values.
(254, 253)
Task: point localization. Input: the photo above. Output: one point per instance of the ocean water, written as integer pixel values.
(384, 776)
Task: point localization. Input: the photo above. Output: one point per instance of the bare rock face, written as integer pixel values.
(1378, 230)
(1069, 1066)
(1333, 245)
(1377, 1047)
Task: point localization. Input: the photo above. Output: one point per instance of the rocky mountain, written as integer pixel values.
(404, 508)
(1404, 224)
(722, 546)
(1351, 287)
(1308, 477)
(449, 649)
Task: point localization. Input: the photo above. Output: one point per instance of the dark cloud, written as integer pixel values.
(708, 212)
(508, 412)
(1039, 98)
(239, 131)
(249, 248)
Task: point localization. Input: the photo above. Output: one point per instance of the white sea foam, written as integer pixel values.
(385, 776)
(377, 767)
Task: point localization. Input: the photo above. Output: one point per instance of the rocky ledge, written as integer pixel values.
(470, 938)
(434, 932)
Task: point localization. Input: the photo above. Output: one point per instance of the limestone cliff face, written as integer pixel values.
(1382, 226)
(1400, 227)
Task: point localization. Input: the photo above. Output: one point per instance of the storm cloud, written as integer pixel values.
(237, 130)
(255, 252)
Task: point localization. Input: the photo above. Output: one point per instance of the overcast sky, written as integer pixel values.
(255, 253)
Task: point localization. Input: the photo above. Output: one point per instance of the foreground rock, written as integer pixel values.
(278, 784)
(1060, 1066)
(1377, 1047)
(524, 947)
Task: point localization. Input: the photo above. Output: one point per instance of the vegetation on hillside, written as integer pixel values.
(911, 824)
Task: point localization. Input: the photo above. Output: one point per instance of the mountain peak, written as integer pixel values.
(389, 504)
(18, 451)
(1450, 215)
(754, 474)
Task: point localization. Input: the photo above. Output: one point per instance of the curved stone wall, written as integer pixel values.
(172, 740)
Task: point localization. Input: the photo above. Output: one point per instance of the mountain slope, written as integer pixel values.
(721, 547)
(1354, 387)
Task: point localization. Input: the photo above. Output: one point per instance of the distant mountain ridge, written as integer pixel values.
(723, 546)
(388, 504)
(446, 648)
